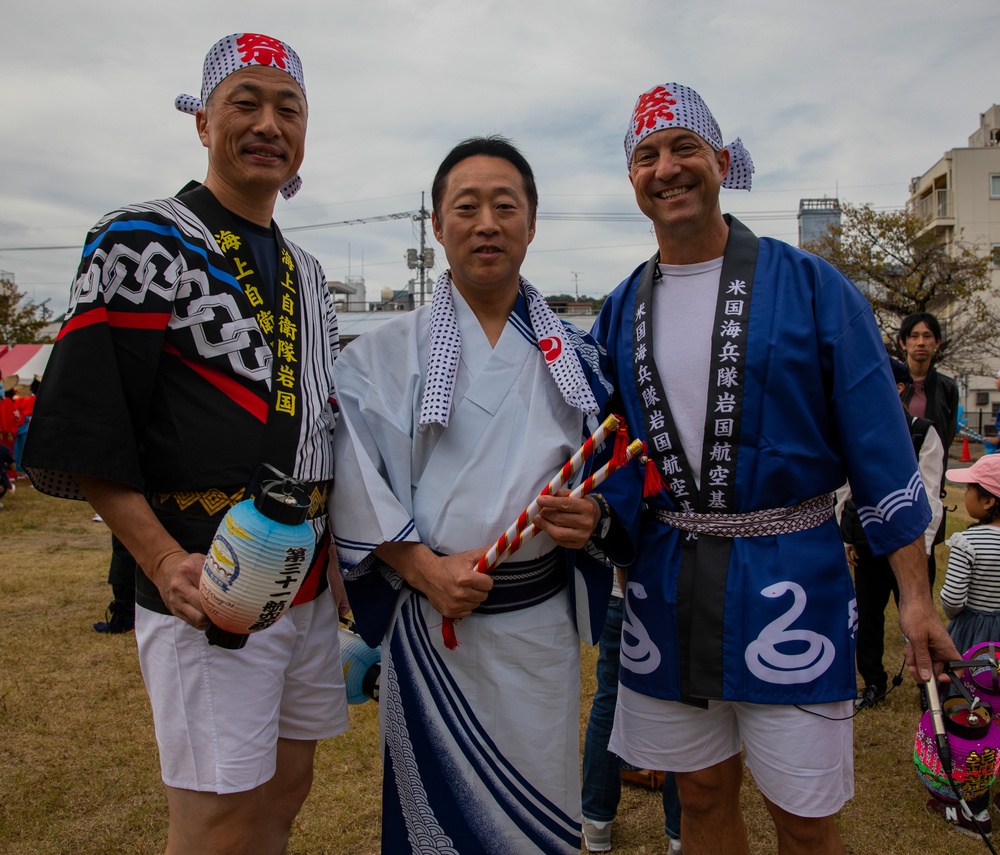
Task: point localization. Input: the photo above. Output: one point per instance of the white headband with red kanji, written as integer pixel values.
(239, 51)
(671, 105)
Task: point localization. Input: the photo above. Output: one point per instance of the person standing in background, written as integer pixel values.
(992, 443)
(932, 395)
(603, 771)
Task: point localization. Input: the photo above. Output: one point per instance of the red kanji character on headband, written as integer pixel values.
(265, 50)
(653, 105)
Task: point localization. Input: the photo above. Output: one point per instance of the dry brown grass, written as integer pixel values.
(78, 767)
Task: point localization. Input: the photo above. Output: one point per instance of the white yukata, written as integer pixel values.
(480, 744)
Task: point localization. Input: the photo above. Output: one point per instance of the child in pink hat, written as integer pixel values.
(971, 592)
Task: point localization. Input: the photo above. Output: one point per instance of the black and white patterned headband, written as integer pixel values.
(241, 50)
(672, 105)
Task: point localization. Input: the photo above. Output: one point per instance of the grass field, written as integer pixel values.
(78, 766)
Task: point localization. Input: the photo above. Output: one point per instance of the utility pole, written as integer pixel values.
(576, 283)
(423, 260)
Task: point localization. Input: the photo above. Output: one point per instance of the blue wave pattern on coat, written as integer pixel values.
(454, 792)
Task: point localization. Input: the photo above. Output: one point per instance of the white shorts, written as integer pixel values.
(800, 761)
(218, 713)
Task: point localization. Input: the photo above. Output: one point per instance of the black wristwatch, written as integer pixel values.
(604, 523)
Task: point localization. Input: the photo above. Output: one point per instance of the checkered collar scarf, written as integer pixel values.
(446, 347)
(241, 50)
(671, 105)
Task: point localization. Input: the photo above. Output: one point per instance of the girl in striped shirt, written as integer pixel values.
(971, 592)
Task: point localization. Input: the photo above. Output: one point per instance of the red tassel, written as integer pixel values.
(652, 482)
(618, 456)
(448, 633)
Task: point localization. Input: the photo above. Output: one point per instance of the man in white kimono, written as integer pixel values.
(455, 417)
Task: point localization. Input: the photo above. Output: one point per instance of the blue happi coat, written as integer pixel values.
(809, 402)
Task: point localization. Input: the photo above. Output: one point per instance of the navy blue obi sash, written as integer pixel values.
(520, 584)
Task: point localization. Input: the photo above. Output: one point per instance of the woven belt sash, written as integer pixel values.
(214, 501)
(805, 515)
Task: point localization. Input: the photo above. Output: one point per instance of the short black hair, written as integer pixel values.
(493, 145)
(910, 321)
(994, 512)
(900, 372)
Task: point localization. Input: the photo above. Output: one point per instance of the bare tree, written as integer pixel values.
(902, 268)
(21, 320)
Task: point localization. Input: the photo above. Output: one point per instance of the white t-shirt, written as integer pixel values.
(684, 301)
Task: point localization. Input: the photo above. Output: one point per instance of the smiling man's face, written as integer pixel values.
(254, 127)
(676, 176)
(485, 224)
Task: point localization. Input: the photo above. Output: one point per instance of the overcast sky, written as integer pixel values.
(843, 98)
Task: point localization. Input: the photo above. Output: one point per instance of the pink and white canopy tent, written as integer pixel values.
(23, 362)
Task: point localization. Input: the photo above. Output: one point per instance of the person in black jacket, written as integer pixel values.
(931, 395)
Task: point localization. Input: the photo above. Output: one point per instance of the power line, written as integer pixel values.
(403, 215)
(76, 246)
(555, 216)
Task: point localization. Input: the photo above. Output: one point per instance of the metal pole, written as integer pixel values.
(423, 274)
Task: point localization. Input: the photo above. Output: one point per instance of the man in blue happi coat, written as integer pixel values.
(757, 376)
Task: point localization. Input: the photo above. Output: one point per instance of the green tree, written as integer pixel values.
(903, 267)
(21, 320)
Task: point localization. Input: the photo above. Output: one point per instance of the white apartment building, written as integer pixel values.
(960, 197)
